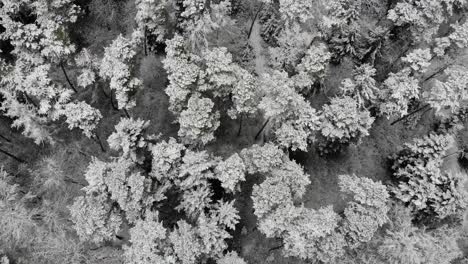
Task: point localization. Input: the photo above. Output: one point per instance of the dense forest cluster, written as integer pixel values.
(233, 131)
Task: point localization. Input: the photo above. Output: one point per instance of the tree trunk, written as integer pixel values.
(145, 42)
(5, 138)
(437, 72)
(98, 140)
(12, 156)
(66, 77)
(240, 126)
(29, 99)
(261, 129)
(126, 113)
(112, 101)
(410, 114)
(254, 19)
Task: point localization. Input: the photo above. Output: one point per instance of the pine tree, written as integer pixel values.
(397, 92)
(294, 121)
(362, 87)
(449, 95)
(129, 137)
(199, 121)
(116, 66)
(231, 172)
(419, 182)
(344, 122)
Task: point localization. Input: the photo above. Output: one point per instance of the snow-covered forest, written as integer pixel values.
(233, 131)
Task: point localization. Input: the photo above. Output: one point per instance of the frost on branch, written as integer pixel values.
(116, 66)
(199, 121)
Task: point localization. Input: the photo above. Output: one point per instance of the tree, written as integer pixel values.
(397, 92)
(219, 72)
(343, 122)
(148, 240)
(129, 137)
(95, 220)
(40, 47)
(245, 94)
(167, 157)
(294, 121)
(151, 19)
(200, 19)
(261, 158)
(116, 66)
(292, 45)
(231, 258)
(312, 68)
(368, 210)
(81, 115)
(306, 233)
(362, 87)
(90, 68)
(414, 246)
(459, 35)
(186, 244)
(451, 94)
(198, 122)
(297, 11)
(421, 185)
(424, 18)
(231, 172)
(418, 60)
(183, 73)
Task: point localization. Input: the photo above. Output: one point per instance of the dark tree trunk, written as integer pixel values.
(240, 125)
(12, 156)
(261, 129)
(66, 77)
(410, 114)
(98, 140)
(254, 19)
